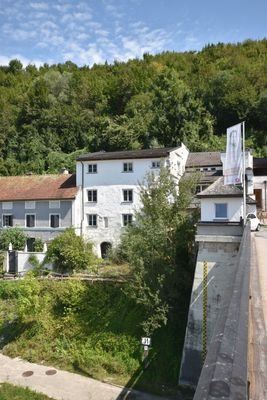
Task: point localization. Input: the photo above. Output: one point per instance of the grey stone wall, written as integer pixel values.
(221, 266)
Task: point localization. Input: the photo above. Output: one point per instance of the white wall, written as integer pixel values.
(234, 208)
(259, 184)
(178, 158)
(109, 205)
(23, 261)
(77, 213)
(110, 181)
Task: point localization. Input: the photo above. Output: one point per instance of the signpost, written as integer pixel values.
(146, 342)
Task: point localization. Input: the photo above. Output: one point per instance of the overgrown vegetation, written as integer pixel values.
(69, 252)
(94, 330)
(158, 247)
(50, 115)
(8, 391)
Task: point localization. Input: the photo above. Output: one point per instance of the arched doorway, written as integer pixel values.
(105, 248)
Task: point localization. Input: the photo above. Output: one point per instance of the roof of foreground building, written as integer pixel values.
(127, 154)
(38, 187)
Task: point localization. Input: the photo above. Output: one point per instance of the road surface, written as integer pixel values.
(257, 350)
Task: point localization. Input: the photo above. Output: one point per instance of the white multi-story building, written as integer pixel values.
(110, 184)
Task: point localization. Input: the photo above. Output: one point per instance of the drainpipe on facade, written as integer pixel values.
(265, 208)
(82, 220)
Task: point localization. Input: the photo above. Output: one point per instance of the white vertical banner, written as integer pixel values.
(232, 166)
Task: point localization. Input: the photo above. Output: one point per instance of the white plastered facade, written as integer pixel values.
(110, 182)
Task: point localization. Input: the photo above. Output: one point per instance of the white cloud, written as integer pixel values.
(61, 8)
(82, 16)
(82, 36)
(4, 60)
(20, 34)
(89, 56)
(39, 6)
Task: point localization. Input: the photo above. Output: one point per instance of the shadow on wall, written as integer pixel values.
(204, 308)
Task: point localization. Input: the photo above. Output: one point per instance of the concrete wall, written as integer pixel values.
(224, 373)
(220, 253)
(22, 261)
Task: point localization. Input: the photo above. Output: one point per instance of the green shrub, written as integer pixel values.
(69, 252)
(14, 235)
(38, 245)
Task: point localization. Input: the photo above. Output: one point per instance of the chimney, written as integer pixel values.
(64, 171)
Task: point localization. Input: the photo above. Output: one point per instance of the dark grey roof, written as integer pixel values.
(218, 189)
(250, 200)
(204, 159)
(209, 177)
(127, 154)
(259, 162)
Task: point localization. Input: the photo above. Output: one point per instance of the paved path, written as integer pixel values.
(62, 385)
(257, 363)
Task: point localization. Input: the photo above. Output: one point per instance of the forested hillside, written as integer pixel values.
(50, 115)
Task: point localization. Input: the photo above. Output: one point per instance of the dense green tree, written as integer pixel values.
(15, 66)
(178, 115)
(13, 235)
(158, 247)
(160, 100)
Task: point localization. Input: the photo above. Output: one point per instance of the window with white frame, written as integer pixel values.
(54, 203)
(7, 220)
(155, 164)
(92, 220)
(30, 220)
(105, 222)
(7, 205)
(92, 168)
(30, 205)
(54, 220)
(127, 195)
(127, 219)
(92, 196)
(127, 167)
(221, 210)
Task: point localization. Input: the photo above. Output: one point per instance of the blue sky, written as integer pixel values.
(95, 31)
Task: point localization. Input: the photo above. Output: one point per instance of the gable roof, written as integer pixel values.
(127, 154)
(38, 187)
(204, 159)
(218, 189)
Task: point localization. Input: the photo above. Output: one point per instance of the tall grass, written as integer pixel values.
(8, 392)
(91, 329)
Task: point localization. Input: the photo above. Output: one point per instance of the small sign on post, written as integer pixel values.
(146, 342)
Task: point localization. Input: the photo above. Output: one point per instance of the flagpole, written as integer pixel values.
(244, 173)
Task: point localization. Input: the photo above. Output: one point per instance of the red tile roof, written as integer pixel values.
(38, 187)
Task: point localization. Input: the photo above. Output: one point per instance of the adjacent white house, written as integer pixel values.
(223, 203)
(110, 184)
(260, 183)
